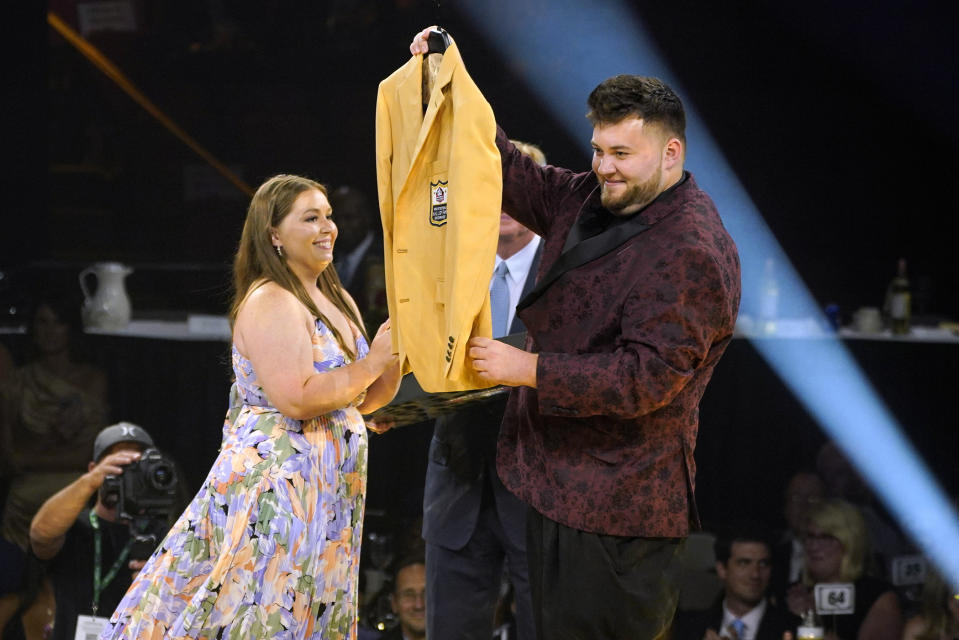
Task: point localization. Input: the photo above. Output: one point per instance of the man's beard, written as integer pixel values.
(636, 196)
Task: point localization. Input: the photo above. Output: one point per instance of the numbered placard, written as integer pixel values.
(835, 598)
(907, 570)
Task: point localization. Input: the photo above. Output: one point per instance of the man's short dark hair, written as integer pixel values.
(405, 561)
(740, 531)
(651, 99)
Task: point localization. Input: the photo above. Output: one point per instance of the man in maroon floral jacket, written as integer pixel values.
(636, 299)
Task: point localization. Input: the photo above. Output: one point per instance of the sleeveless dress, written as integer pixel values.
(270, 546)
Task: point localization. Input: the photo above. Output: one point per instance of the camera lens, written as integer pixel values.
(163, 477)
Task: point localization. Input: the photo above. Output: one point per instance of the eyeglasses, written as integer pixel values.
(810, 537)
(410, 595)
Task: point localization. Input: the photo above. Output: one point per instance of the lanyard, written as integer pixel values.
(100, 584)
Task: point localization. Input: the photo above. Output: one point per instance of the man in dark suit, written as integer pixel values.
(743, 612)
(635, 302)
(471, 523)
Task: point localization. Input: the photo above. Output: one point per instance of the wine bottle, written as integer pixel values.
(810, 628)
(899, 301)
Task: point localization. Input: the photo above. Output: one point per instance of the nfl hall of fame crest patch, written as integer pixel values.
(439, 195)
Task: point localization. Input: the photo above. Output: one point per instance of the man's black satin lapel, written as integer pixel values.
(577, 252)
(584, 251)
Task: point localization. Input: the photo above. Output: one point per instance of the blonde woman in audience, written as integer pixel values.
(836, 548)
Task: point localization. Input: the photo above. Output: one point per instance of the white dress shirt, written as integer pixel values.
(751, 620)
(518, 265)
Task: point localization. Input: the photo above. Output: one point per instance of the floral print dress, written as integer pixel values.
(270, 546)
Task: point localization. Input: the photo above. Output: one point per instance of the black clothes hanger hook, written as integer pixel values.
(438, 40)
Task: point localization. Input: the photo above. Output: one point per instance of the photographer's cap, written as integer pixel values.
(117, 433)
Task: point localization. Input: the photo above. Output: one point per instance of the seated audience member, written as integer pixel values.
(836, 547)
(67, 533)
(743, 612)
(409, 600)
(50, 411)
(938, 617)
(844, 482)
(803, 490)
(56, 405)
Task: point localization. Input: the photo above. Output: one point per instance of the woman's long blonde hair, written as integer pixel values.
(843, 521)
(257, 261)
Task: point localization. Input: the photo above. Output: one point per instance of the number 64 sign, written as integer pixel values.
(835, 598)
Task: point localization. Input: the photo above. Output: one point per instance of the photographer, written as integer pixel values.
(90, 564)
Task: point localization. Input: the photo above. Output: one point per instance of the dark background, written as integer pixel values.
(838, 119)
(836, 116)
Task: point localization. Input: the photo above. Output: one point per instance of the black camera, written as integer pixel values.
(145, 489)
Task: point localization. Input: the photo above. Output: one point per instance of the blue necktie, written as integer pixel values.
(739, 627)
(499, 300)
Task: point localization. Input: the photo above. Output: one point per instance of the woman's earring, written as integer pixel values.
(279, 251)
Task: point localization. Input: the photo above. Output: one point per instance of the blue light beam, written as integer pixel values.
(563, 49)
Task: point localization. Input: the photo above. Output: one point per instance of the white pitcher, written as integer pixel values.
(109, 308)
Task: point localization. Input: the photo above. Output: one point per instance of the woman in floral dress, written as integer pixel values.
(270, 546)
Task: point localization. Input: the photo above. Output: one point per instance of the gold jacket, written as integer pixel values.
(440, 181)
